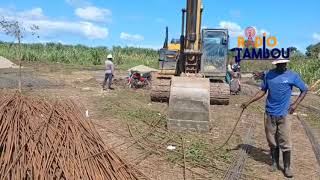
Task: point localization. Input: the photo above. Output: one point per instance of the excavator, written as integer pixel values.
(192, 74)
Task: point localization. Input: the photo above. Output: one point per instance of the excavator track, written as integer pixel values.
(160, 90)
(219, 92)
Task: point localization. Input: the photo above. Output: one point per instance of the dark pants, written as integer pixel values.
(278, 132)
(107, 78)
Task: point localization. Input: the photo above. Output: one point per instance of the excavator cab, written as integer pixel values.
(214, 53)
(168, 55)
(167, 60)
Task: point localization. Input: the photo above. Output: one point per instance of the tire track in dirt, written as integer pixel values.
(303, 159)
(236, 169)
(314, 142)
(257, 164)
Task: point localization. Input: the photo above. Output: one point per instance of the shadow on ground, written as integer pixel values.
(258, 154)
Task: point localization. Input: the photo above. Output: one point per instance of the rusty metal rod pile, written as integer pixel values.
(44, 140)
(236, 169)
(312, 138)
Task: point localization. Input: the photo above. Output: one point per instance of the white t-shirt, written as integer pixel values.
(109, 67)
(230, 68)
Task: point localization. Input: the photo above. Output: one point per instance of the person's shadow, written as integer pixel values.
(255, 153)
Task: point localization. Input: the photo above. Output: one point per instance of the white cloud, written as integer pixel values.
(35, 13)
(233, 28)
(92, 13)
(316, 36)
(84, 29)
(49, 28)
(236, 30)
(131, 37)
(5, 13)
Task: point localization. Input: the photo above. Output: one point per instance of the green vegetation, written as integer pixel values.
(309, 69)
(148, 124)
(255, 65)
(125, 57)
(313, 51)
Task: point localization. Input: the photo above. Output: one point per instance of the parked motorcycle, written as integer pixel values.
(137, 80)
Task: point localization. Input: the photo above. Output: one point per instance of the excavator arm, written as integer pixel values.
(190, 53)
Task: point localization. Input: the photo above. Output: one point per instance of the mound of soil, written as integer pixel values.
(5, 63)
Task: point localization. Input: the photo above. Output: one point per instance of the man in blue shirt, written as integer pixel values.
(278, 84)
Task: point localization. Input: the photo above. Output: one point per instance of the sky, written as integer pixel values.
(142, 23)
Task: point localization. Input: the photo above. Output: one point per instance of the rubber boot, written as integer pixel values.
(275, 159)
(286, 164)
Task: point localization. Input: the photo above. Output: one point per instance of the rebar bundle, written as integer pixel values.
(236, 169)
(312, 138)
(44, 140)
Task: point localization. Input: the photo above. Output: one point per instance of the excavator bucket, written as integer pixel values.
(189, 104)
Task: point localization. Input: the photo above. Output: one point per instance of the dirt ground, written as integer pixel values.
(135, 128)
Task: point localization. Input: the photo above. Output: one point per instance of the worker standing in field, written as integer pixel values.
(109, 72)
(278, 84)
(233, 77)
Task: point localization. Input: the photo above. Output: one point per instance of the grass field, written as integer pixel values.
(126, 57)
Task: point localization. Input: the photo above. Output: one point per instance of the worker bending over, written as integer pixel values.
(278, 84)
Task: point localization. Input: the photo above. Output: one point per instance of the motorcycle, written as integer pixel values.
(137, 80)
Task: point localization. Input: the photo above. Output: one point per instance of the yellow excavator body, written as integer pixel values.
(174, 47)
(189, 72)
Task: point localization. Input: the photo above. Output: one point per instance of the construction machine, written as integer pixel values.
(169, 55)
(192, 77)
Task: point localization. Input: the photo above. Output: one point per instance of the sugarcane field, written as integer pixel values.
(159, 90)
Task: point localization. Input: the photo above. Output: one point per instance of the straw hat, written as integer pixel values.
(279, 61)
